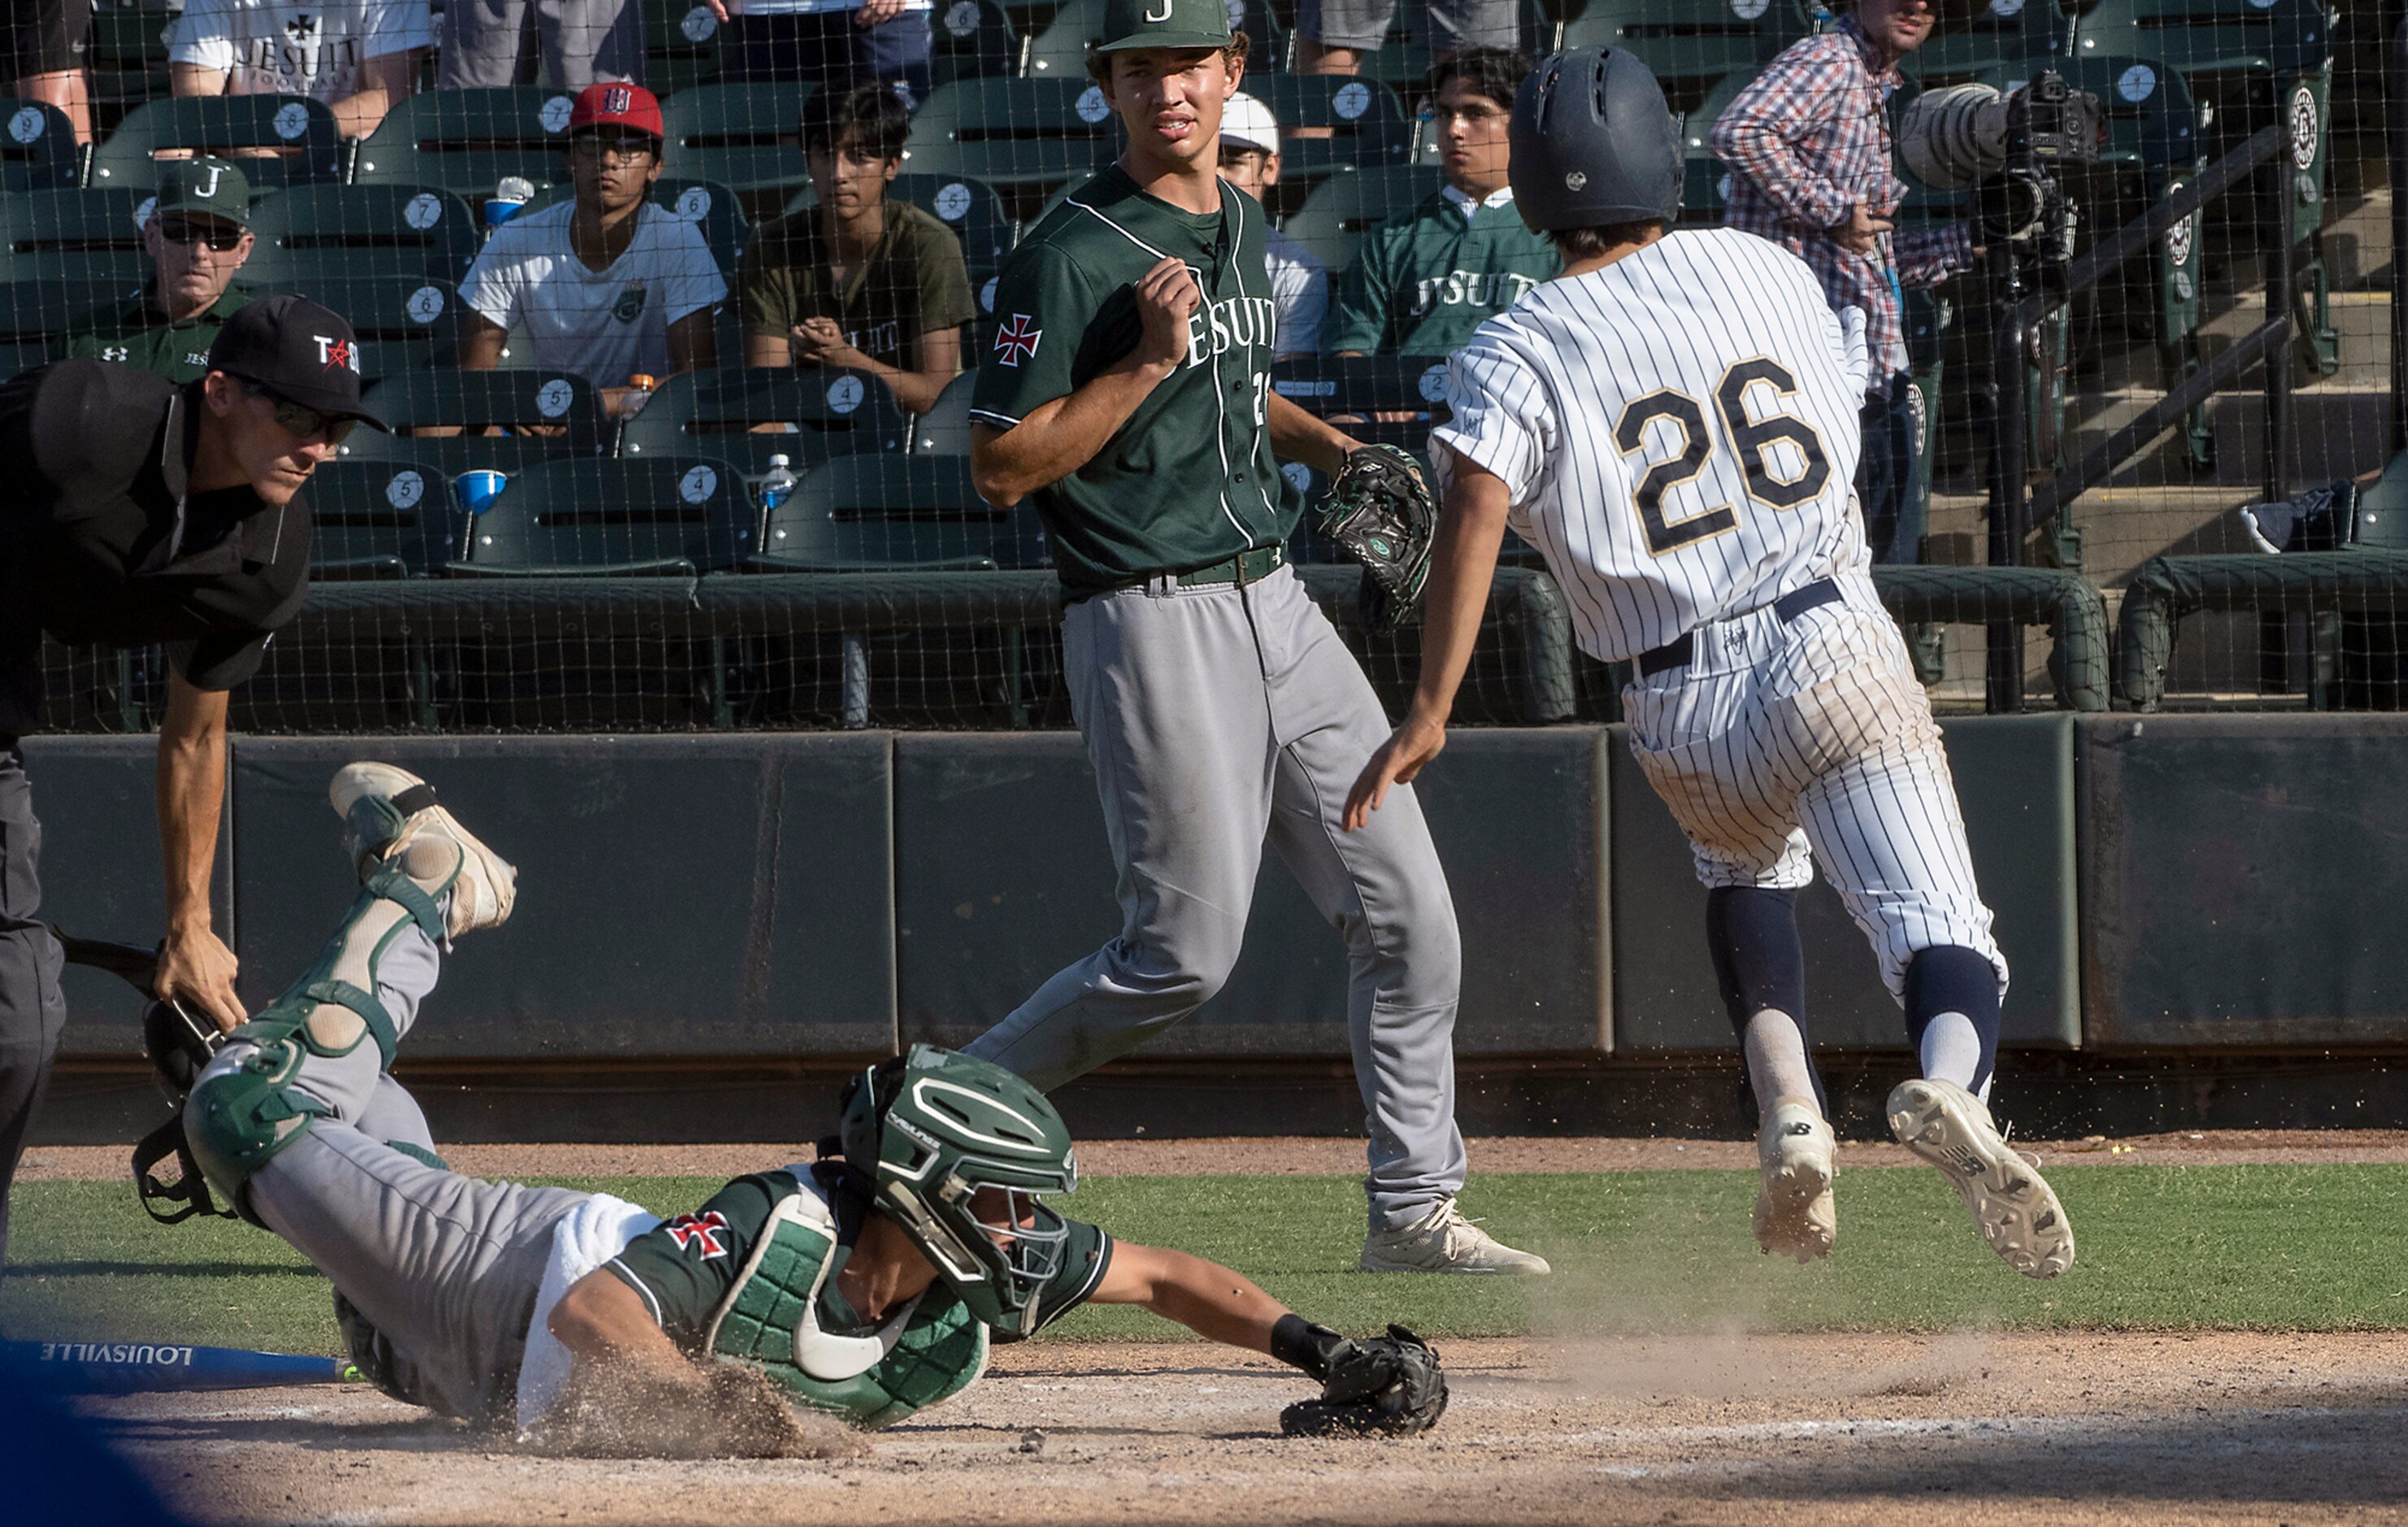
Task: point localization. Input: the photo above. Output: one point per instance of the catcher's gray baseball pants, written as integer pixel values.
(1214, 715)
(445, 1266)
(31, 1009)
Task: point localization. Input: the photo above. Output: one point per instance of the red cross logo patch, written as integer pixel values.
(688, 1229)
(1017, 339)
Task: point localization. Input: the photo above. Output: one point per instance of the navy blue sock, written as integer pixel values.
(1951, 978)
(1752, 935)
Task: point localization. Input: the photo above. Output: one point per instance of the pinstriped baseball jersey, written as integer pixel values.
(1678, 432)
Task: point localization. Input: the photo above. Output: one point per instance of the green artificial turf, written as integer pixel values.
(2263, 1247)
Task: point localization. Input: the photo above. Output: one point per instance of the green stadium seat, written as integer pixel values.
(1972, 43)
(717, 414)
(1368, 124)
(309, 145)
(973, 39)
(383, 231)
(73, 236)
(38, 151)
(863, 514)
(389, 517)
(741, 136)
(1690, 44)
(612, 518)
(1329, 384)
(127, 54)
(1059, 49)
(970, 208)
(680, 46)
(1022, 135)
(712, 207)
(43, 312)
(466, 140)
(445, 398)
(945, 429)
(406, 322)
(16, 358)
(1341, 210)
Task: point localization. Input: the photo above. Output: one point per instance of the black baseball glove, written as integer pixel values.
(1380, 510)
(1387, 1386)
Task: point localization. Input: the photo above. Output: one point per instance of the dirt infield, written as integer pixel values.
(1312, 1156)
(1708, 1429)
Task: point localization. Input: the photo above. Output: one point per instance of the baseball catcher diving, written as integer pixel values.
(867, 1285)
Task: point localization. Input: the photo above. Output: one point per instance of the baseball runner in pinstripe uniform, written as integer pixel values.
(1673, 422)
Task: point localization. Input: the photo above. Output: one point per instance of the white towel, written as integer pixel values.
(587, 1236)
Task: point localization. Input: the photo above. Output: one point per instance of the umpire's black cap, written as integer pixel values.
(1594, 144)
(297, 350)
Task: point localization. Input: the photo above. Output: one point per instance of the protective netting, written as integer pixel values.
(722, 480)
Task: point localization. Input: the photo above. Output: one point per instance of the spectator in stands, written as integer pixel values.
(1332, 36)
(859, 282)
(486, 42)
(1809, 149)
(1250, 160)
(358, 56)
(198, 236)
(1424, 279)
(609, 284)
(45, 46)
(828, 43)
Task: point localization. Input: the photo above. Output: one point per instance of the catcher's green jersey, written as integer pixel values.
(1421, 284)
(1189, 479)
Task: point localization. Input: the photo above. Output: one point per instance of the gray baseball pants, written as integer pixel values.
(1216, 715)
(445, 1266)
(32, 1012)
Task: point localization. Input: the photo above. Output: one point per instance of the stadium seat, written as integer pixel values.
(38, 151)
(127, 52)
(973, 39)
(309, 145)
(610, 518)
(1970, 43)
(445, 398)
(741, 136)
(1705, 179)
(713, 207)
(1367, 122)
(716, 414)
(406, 322)
(970, 207)
(466, 140)
(387, 517)
(680, 46)
(1023, 135)
(44, 312)
(73, 236)
(387, 231)
(1331, 384)
(945, 429)
(1690, 44)
(860, 513)
(1059, 49)
(1341, 210)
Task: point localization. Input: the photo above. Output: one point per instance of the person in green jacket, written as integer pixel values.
(1422, 282)
(198, 236)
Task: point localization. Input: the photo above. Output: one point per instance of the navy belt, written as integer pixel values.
(1673, 654)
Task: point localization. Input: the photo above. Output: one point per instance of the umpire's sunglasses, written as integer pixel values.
(220, 236)
(302, 421)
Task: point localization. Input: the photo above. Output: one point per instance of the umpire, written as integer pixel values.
(136, 510)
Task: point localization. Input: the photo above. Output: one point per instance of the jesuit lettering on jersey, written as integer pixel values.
(1229, 324)
(1497, 290)
(302, 53)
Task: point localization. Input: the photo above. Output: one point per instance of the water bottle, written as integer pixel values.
(509, 199)
(778, 484)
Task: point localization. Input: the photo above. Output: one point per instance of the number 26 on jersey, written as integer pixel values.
(1780, 455)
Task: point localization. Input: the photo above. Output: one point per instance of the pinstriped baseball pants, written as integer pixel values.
(1781, 744)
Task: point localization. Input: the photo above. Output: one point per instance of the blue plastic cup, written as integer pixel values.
(478, 489)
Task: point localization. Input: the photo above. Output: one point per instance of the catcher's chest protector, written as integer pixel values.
(929, 1351)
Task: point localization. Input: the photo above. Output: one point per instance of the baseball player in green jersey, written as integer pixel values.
(1422, 282)
(867, 1284)
(1129, 396)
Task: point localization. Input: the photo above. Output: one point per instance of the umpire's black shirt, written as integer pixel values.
(99, 541)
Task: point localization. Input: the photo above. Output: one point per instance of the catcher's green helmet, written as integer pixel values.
(930, 1130)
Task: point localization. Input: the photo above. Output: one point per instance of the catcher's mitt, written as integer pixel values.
(1387, 1386)
(1380, 510)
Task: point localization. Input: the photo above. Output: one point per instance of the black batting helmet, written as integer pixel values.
(1594, 144)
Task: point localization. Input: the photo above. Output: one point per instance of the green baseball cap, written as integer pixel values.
(204, 185)
(1163, 23)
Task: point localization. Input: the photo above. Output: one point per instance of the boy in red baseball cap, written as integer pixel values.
(609, 284)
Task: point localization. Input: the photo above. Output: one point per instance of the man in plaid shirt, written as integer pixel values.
(1809, 149)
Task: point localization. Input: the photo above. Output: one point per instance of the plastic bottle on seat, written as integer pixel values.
(777, 484)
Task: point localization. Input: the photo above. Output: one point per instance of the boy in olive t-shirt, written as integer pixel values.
(858, 282)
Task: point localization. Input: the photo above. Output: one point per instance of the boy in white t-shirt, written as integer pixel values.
(608, 285)
(358, 56)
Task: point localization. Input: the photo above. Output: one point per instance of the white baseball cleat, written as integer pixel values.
(1795, 1215)
(390, 816)
(1443, 1241)
(2013, 1209)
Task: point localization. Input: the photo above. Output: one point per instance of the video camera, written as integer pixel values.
(2007, 147)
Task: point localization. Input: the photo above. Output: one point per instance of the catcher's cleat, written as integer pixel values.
(1443, 1241)
(1795, 1215)
(2013, 1209)
(391, 820)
